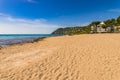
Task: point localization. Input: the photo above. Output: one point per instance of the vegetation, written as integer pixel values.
(72, 30)
(118, 21)
(86, 29)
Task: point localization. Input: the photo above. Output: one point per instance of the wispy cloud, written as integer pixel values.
(10, 25)
(3, 15)
(114, 10)
(32, 1)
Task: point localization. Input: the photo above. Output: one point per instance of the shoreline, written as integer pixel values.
(23, 42)
(42, 38)
(12, 39)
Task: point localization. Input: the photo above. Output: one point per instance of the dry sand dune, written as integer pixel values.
(80, 57)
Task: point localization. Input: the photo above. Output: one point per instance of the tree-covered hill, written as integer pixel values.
(86, 29)
(72, 30)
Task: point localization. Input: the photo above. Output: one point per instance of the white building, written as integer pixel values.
(100, 29)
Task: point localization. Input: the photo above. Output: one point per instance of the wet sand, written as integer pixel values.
(79, 57)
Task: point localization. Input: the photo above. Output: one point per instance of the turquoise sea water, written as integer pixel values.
(7, 39)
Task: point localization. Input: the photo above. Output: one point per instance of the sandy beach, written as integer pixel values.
(79, 57)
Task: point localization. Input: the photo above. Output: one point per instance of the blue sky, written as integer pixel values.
(44, 16)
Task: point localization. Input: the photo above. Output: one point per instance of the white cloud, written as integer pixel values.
(31, 1)
(10, 25)
(3, 15)
(114, 10)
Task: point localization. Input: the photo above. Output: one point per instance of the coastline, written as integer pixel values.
(13, 39)
(77, 57)
(23, 42)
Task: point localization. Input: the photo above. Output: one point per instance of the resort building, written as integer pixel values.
(100, 29)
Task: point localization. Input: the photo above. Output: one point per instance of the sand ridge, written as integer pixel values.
(79, 57)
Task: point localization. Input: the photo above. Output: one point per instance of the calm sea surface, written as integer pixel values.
(7, 39)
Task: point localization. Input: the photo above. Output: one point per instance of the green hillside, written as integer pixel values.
(72, 30)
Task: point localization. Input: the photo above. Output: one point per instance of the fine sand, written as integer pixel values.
(79, 57)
